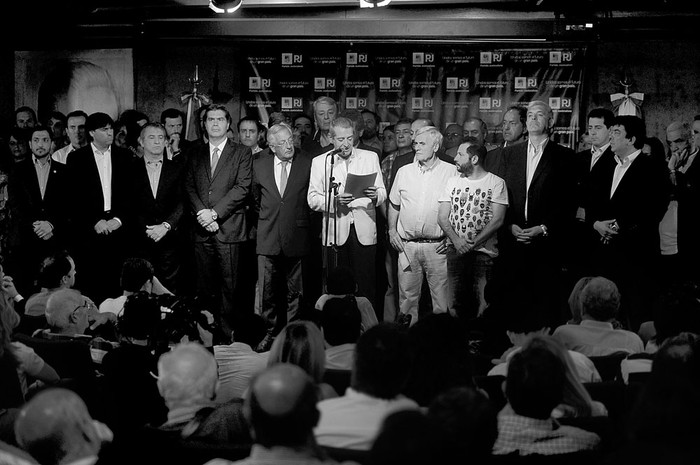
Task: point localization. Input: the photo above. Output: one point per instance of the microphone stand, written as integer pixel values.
(329, 263)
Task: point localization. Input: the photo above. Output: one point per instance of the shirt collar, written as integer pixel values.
(279, 162)
(153, 161)
(539, 147)
(630, 158)
(424, 168)
(36, 160)
(97, 151)
(220, 147)
(597, 324)
(600, 151)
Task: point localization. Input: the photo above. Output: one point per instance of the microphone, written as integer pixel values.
(333, 153)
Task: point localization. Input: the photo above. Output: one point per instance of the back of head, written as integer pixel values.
(135, 273)
(281, 406)
(140, 316)
(341, 320)
(600, 299)
(63, 311)
(467, 422)
(55, 427)
(440, 357)
(382, 361)
(187, 376)
(53, 269)
(535, 382)
(249, 328)
(300, 343)
(341, 281)
(574, 300)
(407, 437)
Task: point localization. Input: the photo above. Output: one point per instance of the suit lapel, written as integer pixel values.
(629, 176)
(544, 163)
(224, 158)
(269, 173)
(165, 174)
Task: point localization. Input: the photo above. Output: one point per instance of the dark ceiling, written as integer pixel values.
(136, 20)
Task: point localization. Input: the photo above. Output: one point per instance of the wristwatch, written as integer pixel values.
(166, 225)
(214, 215)
(544, 230)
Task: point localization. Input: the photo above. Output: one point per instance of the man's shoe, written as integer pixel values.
(404, 319)
(266, 343)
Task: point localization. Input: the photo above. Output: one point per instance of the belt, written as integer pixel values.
(425, 240)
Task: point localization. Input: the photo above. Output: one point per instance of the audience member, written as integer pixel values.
(56, 122)
(406, 157)
(341, 326)
(358, 124)
(534, 387)
(466, 422)
(187, 381)
(476, 131)
(173, 121)
(302, 129)
(595, 335)
(370, 136)
(281, 411)
(56, 428)
(381, 368)
(18, 142)
(341, 284)
(137, 275)
(250, 133)
(408, 437)
(237, 362)
(452, 139)
(301, 343)
(574, 300)
(514, 125)
(325, 112)
(25, 117)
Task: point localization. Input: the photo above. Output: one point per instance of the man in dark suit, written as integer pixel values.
(37, 209)
(217, 182)
(539, 178)
(157, 205)
(98, 196)
(280, 187)
(627, 204)
(587, 163)
(173, 120)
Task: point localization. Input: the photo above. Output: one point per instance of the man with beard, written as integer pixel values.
(173, 120)
(472, 209)
(475, 131)
(370, 136)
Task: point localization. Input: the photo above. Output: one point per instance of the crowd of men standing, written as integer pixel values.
(259, 224)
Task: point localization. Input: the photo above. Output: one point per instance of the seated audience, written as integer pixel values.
(342, 283)
(440, 358)
(466, 421)
(534, 387)
(341, 325)
(187, 381)
(524, 326)
(56, 428)
(237, 362)
(127, 369)
(408, 437)
(574, 300)
(381, 368)
(57, 271)
(301, 343)
(137, 275)
(281, 411)
(69, 315)
(595, 335)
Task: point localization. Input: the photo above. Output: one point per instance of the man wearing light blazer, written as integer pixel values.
(349, 232)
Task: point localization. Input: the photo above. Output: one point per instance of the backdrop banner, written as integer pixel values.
(447, 84)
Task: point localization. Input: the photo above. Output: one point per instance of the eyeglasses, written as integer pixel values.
(285, 143)
(85, 305)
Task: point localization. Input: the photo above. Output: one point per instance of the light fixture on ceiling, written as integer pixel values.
(225, 6)
(373, 3)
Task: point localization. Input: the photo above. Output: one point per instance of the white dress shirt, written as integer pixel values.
(534, 155)
(597, 153)
(621, 169)
(104, 166)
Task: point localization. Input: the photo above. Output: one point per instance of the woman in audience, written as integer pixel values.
(575, 300)
(577, 401)
(301, 343)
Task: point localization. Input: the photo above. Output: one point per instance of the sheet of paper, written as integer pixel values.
(355, 184)
(404, 261)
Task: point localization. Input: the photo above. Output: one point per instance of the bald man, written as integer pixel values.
(188, 381)
(55, 427)
(281, 410)
(70, 314)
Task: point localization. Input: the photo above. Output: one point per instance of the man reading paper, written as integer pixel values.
(349, 232)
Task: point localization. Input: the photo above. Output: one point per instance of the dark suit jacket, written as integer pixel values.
(226, 191)
(86, 203)
(688, 194)
(26, 204)
(638, 205)
(167, 205)
(584, 173)
(283, 222)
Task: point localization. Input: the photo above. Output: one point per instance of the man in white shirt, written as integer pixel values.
(75, 129)
(381, 367)
(414, 231)
(626, 206)
(349, 230)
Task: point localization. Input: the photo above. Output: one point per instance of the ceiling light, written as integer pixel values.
(373, 3)
(225, 6)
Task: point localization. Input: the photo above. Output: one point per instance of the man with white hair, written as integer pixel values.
(349, 230)
(325, 111)
(414, 231)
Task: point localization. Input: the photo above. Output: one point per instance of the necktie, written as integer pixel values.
(283, 177)
(214, 159)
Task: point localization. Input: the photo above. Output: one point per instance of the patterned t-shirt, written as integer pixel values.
(471, 206)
